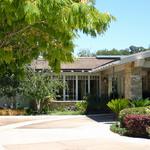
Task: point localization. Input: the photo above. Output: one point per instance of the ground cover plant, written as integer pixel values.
(62, 108)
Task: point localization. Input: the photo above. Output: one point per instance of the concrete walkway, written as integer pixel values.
(64, 133)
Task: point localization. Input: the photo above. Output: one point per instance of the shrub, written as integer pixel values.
(62, 106)
(140, 103)
(81, 106)
(96, 104)
(148, 131)
(116, 105)
(137, 124)
(134, 111)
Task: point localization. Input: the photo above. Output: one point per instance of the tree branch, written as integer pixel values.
(8, 36)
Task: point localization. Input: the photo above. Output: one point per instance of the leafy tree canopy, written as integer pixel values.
(131, 50)
(29, 28)
(113, 52)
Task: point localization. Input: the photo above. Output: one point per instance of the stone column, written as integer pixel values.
(133, 82)
(110, 85)
(104, 85)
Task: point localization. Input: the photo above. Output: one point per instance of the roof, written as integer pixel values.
(87, 63)
(81, 63)
(124, 60)
(111, 56)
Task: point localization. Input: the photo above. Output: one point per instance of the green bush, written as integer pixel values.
(133, 111)
(81, 106)
(116, 105)
(140, 103)
(96, 104)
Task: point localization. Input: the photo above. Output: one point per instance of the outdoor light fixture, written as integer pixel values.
(105, 80)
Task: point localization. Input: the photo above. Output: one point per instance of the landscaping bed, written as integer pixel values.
(134, 122)
(12, 112)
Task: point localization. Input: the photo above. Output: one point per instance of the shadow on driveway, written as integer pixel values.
(108, 118)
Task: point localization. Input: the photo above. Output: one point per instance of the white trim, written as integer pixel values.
(76, 87)
(79, 73)
(89, 90)
(64, 89)
(124, 60)
(100, 86)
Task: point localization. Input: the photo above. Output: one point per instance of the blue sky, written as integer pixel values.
(131, 28)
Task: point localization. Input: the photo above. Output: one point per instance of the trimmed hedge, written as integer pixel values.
(137, 125)
(133, 111)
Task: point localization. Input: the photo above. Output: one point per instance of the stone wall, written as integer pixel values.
(62, 105)
(129, 81)
(133, 81)
(104, 85)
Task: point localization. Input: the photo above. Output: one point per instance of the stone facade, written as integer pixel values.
(133, 82)
(104, 85)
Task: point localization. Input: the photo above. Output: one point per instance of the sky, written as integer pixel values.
(132, 26)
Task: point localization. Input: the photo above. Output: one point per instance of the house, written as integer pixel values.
(104, 76)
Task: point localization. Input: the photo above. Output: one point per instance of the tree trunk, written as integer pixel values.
(38, 106)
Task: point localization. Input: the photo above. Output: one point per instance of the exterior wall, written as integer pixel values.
(124, 81)
(104, 85)
(146, 82)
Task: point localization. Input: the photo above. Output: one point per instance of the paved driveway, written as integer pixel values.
(64, 133)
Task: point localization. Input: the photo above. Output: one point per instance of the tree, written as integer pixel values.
(85, 53)
(135, 49)
(9, 88)
(113, 52)
(39, 87)
(127, 51)
(29, 28)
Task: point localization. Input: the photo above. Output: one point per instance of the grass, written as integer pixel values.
(56, 112)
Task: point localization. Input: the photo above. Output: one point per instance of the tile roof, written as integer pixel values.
(86, 63)
(82, 63)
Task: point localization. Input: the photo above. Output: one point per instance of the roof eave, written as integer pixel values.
(124, 60)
